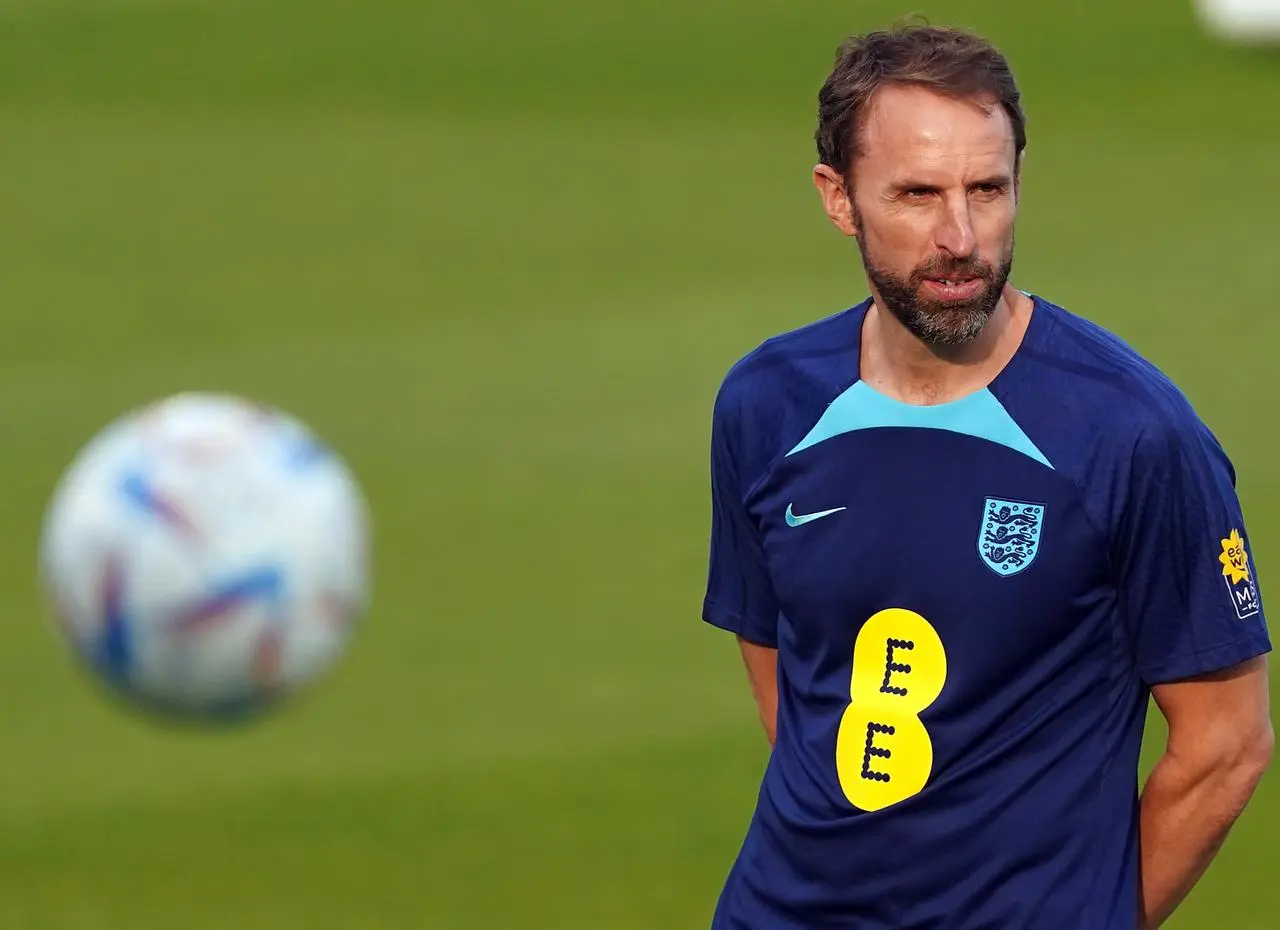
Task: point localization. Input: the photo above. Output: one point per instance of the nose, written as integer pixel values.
(955, 231)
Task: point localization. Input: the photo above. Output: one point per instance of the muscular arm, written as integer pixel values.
(762, 672)
(1220, 742)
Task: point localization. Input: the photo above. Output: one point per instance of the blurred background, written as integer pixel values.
(501, 254)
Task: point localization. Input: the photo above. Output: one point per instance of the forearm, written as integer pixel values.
(765, 691)
(768, 706)
(1186, 812)
(762, 671)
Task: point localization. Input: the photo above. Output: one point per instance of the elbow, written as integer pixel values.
(1250, 762)
(1261, 753)
(1229, 763)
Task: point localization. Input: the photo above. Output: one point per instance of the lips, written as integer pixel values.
(956, 288)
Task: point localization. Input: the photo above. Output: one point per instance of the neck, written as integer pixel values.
(895, 362)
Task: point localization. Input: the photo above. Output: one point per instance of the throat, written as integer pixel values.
(923, 392)
(897, 364)
(927, 380)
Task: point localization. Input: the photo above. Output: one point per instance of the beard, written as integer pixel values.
(934, 321)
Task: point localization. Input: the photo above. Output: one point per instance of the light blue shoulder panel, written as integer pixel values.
(979, 415)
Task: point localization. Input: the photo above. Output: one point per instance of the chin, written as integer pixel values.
(952, 325)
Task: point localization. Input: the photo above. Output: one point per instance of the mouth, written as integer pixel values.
(959, 287)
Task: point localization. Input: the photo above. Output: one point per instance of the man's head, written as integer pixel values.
(920, 140)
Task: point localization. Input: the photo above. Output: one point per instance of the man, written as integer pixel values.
(962, 535)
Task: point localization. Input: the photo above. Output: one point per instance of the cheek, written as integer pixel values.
(993, 226)
(900, 238)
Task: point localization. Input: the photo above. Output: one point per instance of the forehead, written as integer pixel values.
(913, 128)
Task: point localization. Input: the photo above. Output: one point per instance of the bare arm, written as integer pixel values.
(1220, 743)
(762, 672)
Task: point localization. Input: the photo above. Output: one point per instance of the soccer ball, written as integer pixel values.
(1245, 22)
(206, 556)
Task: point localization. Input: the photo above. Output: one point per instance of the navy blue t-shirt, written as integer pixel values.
(970, 602)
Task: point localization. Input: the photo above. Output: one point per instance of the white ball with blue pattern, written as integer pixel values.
(206, 556)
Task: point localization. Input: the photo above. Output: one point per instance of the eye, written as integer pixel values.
(989, 188)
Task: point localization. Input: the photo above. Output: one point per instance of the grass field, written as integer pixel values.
(500, 255)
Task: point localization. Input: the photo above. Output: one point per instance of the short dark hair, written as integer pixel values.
(946, 60)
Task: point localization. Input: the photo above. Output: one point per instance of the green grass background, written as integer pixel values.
(501, 254)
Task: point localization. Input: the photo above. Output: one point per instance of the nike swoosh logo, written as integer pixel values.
(801, 519)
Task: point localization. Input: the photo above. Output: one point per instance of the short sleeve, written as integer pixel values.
(1186, 577)
(739, 596)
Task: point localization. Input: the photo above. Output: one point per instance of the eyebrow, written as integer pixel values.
(997, 180)
(1001, 179)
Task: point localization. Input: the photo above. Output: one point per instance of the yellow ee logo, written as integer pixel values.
(1235, 572)
(884, 754)
(1234, 559)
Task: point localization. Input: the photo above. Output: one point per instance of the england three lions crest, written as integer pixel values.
(1010, 535)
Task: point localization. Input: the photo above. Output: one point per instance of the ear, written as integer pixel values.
(835, 198)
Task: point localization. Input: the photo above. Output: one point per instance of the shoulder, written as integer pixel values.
(1103, 389)
(782, 383)
(813, 345)
(1121, 388)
